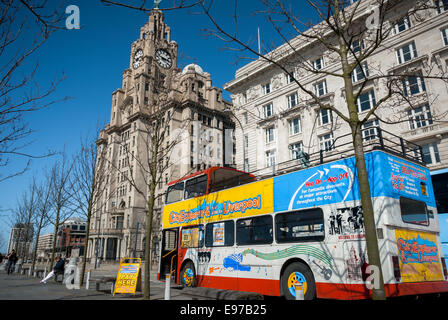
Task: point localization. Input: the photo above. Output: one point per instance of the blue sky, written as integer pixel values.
(92, 59)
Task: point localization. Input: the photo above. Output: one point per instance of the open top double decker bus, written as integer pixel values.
(307, 226)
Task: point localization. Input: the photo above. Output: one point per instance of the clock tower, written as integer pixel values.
(154, 45)
(155, 96)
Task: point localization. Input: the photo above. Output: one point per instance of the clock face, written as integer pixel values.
(163, 58)
(138, 58)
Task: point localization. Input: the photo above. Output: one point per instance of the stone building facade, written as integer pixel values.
(279, 118)
(188, 112)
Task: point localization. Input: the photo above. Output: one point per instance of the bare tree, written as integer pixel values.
(156, 156)
(20, 94)
(61, 195)
(30, 200)
(22, 221)
(43, 209)
(89, 177)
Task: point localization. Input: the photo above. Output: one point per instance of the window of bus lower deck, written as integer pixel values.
(192, 237)
(256, 230)
(414, 211)
(220, 234)
(299, 226)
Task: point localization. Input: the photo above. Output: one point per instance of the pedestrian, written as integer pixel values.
(12, 259)
(58, 268)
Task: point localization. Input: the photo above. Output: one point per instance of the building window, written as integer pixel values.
(294, 126)
(245, 119)
(360, 73)
(366, 101)
(406, 52)
(326, 142)
(420, 117)
(267, 88)
(320, 88)
(357, 45)
(246, 141)
(270, 135)
(325, 116)
(445, 36)
(295, 148)
(293, 100)
(290, 77)
(270, 158)
(431, 153)
(370, 130)
(318, 63)
(442, 5)
(268, 110)
(413, 85)
(402, 25)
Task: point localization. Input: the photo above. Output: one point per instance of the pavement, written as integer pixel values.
(17, 286)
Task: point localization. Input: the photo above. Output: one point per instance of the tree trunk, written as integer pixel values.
(86, 246)
(36, 244)
(55, 237)
(152, 192)
(368, 213)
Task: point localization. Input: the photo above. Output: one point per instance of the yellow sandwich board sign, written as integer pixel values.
(128, 275)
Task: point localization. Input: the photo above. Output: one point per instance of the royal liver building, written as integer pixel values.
(162, 117)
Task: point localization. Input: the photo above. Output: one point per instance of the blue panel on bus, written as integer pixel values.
(337, 181)
(395, 177)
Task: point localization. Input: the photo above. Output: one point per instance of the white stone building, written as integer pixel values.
(279, 118)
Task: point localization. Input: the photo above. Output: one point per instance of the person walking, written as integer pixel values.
(12, 259)
(58, 268)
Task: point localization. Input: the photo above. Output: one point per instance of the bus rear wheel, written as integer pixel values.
(188, 275)
(297, 272)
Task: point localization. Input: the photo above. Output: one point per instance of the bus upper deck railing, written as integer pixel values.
(374, 138)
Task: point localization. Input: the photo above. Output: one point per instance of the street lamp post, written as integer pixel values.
(229, 112)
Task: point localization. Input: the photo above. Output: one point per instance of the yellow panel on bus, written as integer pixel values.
(243, 201)
(419, 256)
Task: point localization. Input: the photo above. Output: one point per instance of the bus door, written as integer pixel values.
(169, 252)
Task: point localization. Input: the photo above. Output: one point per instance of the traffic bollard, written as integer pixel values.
(299, 291)
(88, 280)
(167, 287)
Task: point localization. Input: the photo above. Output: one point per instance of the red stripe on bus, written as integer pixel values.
(262, 286)
(323, 290)
(359, 291)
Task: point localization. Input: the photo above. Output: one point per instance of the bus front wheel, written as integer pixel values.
(297, 272)
(188, 275)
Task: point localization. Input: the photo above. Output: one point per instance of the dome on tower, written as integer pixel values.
(193, 67)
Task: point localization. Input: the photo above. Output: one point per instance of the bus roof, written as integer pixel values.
(209, 171)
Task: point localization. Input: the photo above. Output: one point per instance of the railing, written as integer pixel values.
(374, 138)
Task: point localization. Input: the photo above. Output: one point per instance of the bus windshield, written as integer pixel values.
(174, 192)
(196, 187)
